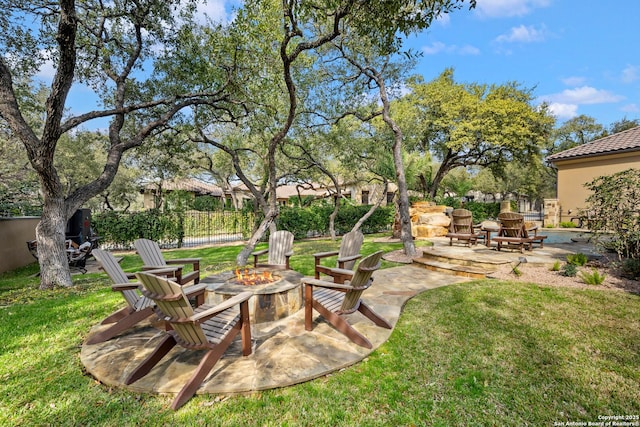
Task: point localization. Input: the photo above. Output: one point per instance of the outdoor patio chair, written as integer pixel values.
(348, 254)
(512, 232)
(333, 300)
(210, 328)
(462, 228)
(279, 251)
(152, 257)
(531, 231)
(77, 255)
(138, 306)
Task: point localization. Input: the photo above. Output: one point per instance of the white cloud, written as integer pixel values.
(443, 19)
(583, 95)
(218, 11)
(506, 8)
(523, 34)
(630, 74)
(631, 108)
(563, 111)
(439, 47)
(214, 10)
(574, 81)
(47, 69)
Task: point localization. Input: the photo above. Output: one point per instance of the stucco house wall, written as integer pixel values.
(580, 165)
(15, 233)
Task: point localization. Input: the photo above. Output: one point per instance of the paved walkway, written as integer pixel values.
(283, 352)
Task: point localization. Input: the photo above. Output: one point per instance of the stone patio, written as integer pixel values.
(283, 352)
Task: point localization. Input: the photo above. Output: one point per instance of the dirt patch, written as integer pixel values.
(544, 275)
(400, 257)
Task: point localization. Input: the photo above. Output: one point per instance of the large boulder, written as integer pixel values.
(429, 220)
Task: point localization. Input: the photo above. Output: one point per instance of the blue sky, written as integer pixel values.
(579, 56)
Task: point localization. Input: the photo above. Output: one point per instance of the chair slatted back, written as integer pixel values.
(351, 244)
(172, 302)
(150, 252)
(361, 280)
(110, 265)
(462, 221)
(280, 243)
(511, 224)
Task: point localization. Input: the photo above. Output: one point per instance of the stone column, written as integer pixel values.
(551, 212)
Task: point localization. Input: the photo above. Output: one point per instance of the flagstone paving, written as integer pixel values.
(283, 352)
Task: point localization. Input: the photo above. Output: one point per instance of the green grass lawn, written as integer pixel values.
(480, 353)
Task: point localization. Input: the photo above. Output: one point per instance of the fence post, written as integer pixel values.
(551, 212)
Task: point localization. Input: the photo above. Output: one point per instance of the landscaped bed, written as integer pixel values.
(487, 352)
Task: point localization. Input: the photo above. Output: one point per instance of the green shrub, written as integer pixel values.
(567, 224)
(556, 266)
(314, 220)
(570, 270)
(482, 211)
(631, 268)
(613, 211)
(123, 228)
(593, 278)
(578, 259)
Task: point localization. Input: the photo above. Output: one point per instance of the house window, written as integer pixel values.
(365, 197)
(390, 196)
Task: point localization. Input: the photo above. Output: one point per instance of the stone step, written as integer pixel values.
(470, 259)
(470, 271)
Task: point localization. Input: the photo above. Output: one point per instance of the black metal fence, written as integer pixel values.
(117, 231)
(533, 215)
(203, 228)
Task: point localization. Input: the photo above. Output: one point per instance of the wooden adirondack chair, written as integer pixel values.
(152, 257)
(279, 251)
(210, 328)
(348, 254)
(531, 231)
(462, 227)
(512, 232)
(332, 300)
(138, 306)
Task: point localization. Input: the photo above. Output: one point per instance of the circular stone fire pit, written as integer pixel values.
(271, 301)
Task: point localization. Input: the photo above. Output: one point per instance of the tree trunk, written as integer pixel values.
(373, 208)
(403, 191)
(403, 199)
(266, 223)
(52, 256)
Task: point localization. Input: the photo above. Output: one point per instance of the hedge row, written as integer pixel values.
(117, 229)
(314, 220)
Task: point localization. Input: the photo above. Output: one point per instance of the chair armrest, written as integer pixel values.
(183, 260)
(119, 287)
(349, 258)
(193, 261)
(212, 311)
(339, 271)
(196, 289)
(146, 268)
(162, 271)
(260, 252)
(325, 254)
(324, 284)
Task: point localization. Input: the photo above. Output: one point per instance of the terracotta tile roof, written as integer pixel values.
(288, 191)
(628, 140)
(191, 185)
